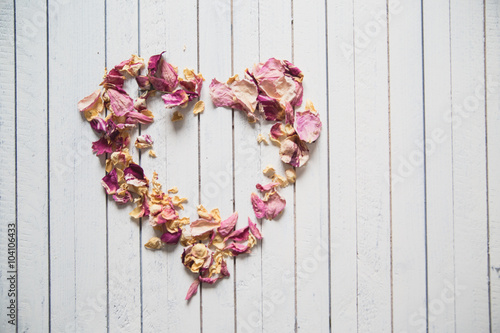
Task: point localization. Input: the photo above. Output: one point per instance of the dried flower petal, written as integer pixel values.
(144, 141)
(227, 225)
(171, 238)
(177, 98)
(131, 66)
(91, 105)
(261, 138)
(199, 107)
(153, 244)
(269, 171)
(193, 289)
(291, 176)
(110, 182)
(307, 124)
(152, 153)
(173, 190)
(258, 205)
(177, 116)
(294, 151)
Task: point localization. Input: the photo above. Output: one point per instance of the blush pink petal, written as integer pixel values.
(89, 102)
(277, 131)
(169, 74)
(120, 102)
(227, 225)
(153, 63)
(239, 235)
(221, 94)
(200, 227)
(193, 289)
(258, 206)
(237, 248)
(274, 205)
(272, 108)
(267, 187)
(308, 126)
(253, 228)
(176, 98)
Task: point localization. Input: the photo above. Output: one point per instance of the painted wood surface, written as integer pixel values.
(392, 226)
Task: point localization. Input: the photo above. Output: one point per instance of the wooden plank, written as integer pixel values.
(153, 32)
(311, 200)
(247, 173)
(278, 246)
(216, 155)
(492, 10)
(407, 163)
(182, 163)
(469, 167)
(7, 159)
(123, 233)
(32, 192)
(77, 201)
(439, 175)
(342, 136)
(372, 167)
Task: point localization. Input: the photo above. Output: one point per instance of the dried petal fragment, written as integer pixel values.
(173, 190)
(267, 187)
(153, 244)
(294, 151)
(177, 98)
(177, 116)
(253, 229)
(199, 107)
(274, 205)
(269, 171)
(110, 182)
(261, 138)
(280, 180)
(177, 201)
(120, 102)
(152, 153)
(131, 66)
(291, 176)
(144, 141)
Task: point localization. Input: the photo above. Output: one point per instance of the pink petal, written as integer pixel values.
(227, 225)
(221, 94)
(176, 98)
(272, 108)
(237, 248)
(154, 62)
(193, 289)
(308, 126)
(110, 182)
(258, 206)
(277, 131)
(101, 146)
(120, 102)
(267, 187)
(239, 235)
(254, 230)
(169, 238)
(88, 103)
(200, 227)
(274, 205)
(169, 74)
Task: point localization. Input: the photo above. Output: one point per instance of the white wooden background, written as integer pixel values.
(382, 233)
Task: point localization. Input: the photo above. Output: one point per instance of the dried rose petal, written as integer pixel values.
(143, 141)
(258, 205)
(307, 125)
(171, 238)
(199, 107)
(267, 187)
(131, 66)
(254, 230)
(202, 227)
(134, 175)
(274, 205)
(110, 182)
(193, 289)
(177, 98)
(91, 105)
(120, 102)
(101, 146)
(294, 151)
(227, 225)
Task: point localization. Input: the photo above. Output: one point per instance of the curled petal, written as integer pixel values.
(308, 126)
(275, 204)
(258, 206)
(153, 63)
(171, 238)
(120, 102)
(294, 151)
(134, 175)
(202, 227)
(91, 105)
(110, 182)
(254, 230)
(227, 225)
(131, 66)
(267, 187)
(193, 289)
(101, 146)
(178, 97)
(99, 125)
